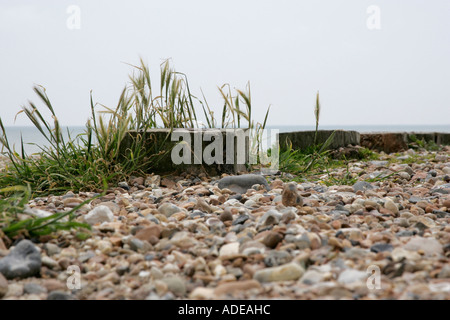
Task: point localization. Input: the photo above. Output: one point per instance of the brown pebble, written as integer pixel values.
(149, 232)
(290, 196)
(336, 224)
(272, 239)
(226, 215)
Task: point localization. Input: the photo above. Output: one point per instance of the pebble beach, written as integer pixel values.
(249, 237)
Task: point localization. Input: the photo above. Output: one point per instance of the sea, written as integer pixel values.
(34, 140)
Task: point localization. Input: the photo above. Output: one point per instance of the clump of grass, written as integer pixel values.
(14, 222)
(83, 162)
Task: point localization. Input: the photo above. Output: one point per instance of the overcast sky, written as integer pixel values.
(397, 74)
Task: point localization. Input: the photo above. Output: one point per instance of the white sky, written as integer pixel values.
(286, 49)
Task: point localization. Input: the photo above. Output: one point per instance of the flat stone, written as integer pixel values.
(183, 239)
(351, 275)
(147, 234)
(286, 272)
(381, 247)
(34, 288)
(240, 184)
(362, 186)
(276, 258)
(312, 277)
(236, 286)
(168, 209)
(22, 262)
(429, 246)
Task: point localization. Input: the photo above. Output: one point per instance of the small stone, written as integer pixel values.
(270, 217)
(233, 287)
(201, 293)
(49, 262)
(34, 288)
(312, 277)
(290, 196)
(351, 275)
(272, 239)
(226, 216)
(429, 246)
(152, 181)
(156, 273)
(175, 285)
(22, 262)
(123, 185)
(229, 250)
(72, 202)
(183, 239)
(240, 184)
(99, 214)
(136, 244)
(114, 207)
(168, 209)
(362, 186)
(51, 249)
(381, 247)
(286, 272)
(276, 258)
(240, 219)
(444, 274)
(391, 206)
(104, 246)
(404, 175)
(147, 233)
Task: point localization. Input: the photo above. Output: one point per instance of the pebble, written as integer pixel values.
(176, 285)
(51, 249)
(272, 239)
(98, 215)
(381, 247)
(226, 216)
(231, 288)
(391, 206)
(168, 209)
(229, 250)
(22, 262)
(429, 246)
(276, 258)
(362, 186)
(351, 275)
(240, 184)
(286, 272)
(34, 288)
(290, 196)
